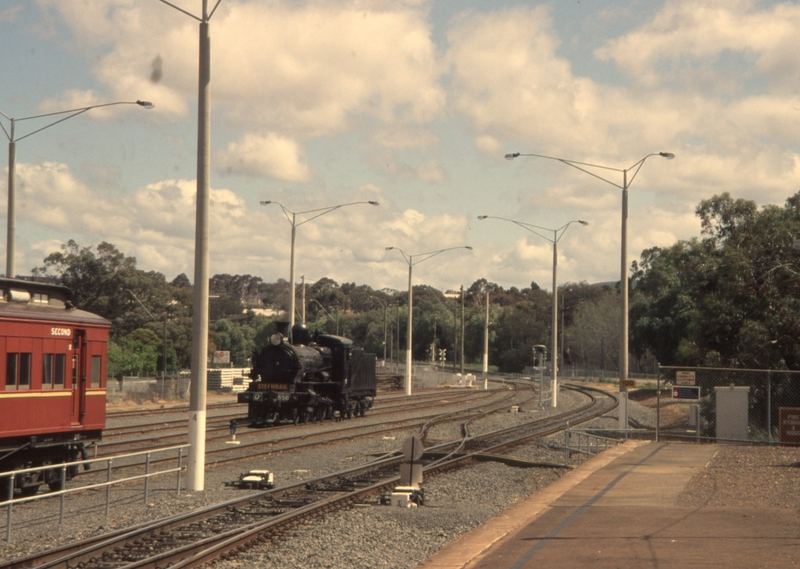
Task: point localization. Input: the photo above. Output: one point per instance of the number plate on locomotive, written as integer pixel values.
(273, 387)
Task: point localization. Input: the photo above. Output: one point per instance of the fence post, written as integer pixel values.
(566, 447)
(769, 407)
(147, 477)
(658, 405)
(63, 486)
(180, 466)
(10, 497)
(108, 488)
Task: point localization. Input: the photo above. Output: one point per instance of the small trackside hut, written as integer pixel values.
(317, 377)
(53, 361)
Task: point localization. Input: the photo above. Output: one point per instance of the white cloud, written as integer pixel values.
(688, 36)
(280, 66)
(269, 155)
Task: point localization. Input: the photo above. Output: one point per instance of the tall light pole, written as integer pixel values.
(623, 281)
(411, 262)
(385, 308)
(544, 233)
(329, 314)
(291, 216)
(195, 472)
(11, 227)
(164, 371)
(486, 344)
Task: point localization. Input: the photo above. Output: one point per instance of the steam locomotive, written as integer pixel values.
(313, 378)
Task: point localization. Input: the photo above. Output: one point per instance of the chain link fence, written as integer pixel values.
(731, 406)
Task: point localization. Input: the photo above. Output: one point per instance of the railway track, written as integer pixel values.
(160, 429)
(345, 431)
(223, 530)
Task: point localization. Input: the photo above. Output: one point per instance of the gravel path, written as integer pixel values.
(381, 536)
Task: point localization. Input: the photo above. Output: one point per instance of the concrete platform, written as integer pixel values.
(621, 510)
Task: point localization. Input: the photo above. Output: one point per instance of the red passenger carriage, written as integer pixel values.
(52, 380)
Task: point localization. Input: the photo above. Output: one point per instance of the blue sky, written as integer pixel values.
(412, 103)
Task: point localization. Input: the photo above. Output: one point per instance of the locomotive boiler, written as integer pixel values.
(314, 378)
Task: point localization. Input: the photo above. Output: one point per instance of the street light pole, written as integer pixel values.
(462, 330)
(195, 472)
(410, 260)
(486, 345)
(623, 281)
(557, 234)
(164, 351)
(328, 313)
(385, 308)
(11, 229)
(291, 216)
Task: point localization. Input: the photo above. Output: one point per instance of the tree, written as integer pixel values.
(722, 299)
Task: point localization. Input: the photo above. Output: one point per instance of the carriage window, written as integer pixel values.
(60, 371)
(47, 371)
(12, 363)
(18, 371)
(41, 298)
(95, 371)
(53, 369)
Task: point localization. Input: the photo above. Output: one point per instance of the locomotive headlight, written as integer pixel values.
(276, 339)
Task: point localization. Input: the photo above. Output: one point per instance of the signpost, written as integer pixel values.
(686, 392)
(685, 378)
(789, 425)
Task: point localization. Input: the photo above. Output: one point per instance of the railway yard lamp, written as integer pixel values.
(410, 259)
(623, 281)
(11, 134)
(291, 216)
(557, 234)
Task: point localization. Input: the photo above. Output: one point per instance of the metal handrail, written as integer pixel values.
(107, 484)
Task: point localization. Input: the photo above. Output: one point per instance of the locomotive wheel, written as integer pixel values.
(308, 416)
(295, 416)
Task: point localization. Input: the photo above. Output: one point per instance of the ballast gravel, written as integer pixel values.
(372, 536)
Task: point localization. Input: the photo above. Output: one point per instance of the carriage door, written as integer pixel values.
(78, 377)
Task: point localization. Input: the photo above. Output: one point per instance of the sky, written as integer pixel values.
(411, 103)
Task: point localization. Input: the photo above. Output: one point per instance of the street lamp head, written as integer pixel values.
(145, 104)
(667, 155)
(371, 202)
(468, 247)
(512, 155)
(582, 222)
(482, 216)
(265, 202)
(389, 248)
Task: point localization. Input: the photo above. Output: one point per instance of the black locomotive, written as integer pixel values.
(314, 378)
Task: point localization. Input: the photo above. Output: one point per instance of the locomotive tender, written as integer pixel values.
(52, 381)
(312, 379)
